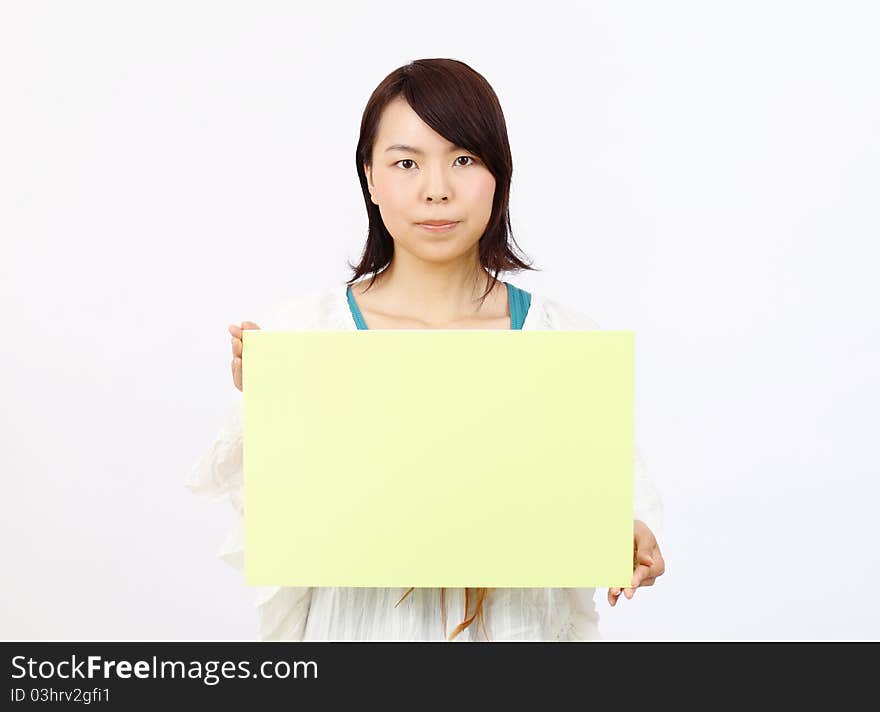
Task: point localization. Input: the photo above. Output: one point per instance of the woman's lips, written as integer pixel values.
(446, 227)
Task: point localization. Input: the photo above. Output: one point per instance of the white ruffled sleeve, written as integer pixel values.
(219, 475)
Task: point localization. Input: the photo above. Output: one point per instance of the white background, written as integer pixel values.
(706, 174)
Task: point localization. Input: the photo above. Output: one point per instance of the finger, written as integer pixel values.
(639, 574)
(236, 372)
(235, 330)
(647, 581)
(236, 347)
(660, 566)
(629, 592)
(643, 540)
(613, 595)
(643, 547)
(645, 558)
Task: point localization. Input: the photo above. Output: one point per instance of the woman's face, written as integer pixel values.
(430, 180)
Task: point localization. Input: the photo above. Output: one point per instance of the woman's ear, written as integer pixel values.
(368, 171)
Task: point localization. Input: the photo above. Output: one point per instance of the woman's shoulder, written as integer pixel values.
(317, 308)
(548, 312)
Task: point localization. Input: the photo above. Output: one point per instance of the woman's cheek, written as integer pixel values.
(483, 187)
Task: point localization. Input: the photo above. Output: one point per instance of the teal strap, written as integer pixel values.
(519, 301)
(355, 311)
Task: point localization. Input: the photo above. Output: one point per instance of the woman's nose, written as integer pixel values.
(436, 185)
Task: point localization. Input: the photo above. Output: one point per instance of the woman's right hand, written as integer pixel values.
(236, 350)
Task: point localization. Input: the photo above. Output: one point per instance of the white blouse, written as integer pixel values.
(362, 614)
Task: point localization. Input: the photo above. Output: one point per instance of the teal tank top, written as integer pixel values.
(519, 301)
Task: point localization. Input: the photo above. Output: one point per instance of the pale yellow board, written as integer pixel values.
(438, 458)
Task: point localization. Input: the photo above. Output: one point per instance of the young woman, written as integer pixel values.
(435, 169)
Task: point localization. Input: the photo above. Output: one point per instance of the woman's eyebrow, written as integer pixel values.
(413, 149)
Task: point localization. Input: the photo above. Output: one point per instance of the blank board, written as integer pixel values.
(438, 458)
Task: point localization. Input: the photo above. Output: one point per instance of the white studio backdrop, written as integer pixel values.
(704, 174)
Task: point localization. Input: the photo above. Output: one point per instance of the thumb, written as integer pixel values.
(249, 325)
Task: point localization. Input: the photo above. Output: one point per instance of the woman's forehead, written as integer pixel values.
(402, 129)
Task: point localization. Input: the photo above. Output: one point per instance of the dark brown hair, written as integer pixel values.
(460, 105)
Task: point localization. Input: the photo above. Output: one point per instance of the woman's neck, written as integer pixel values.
(435, 292)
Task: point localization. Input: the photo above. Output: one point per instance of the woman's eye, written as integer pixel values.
(409, 160)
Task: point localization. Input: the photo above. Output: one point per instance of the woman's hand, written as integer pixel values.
(648, 562)
(236, 350)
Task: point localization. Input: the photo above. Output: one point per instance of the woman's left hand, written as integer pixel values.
(648, 562)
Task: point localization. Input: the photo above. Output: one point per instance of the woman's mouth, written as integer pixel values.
(434, 226)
